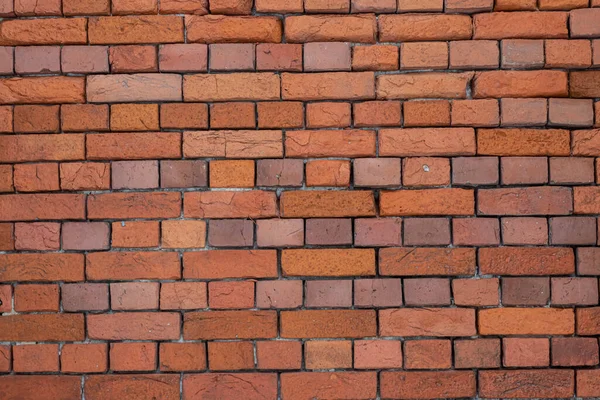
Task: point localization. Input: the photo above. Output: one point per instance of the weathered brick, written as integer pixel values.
(134, 205)
(135, 29)
(328, 86)
(427, 322)
(324, 28)
(526, 201)
(527, 383)
(134, 326)
(338, 143)
(52, 89)
(238, 86)
(520, 84)
(42, 327)
(328, 323)
(434, 384)
(130, 88)
(310, 204)
(43, 31)
(328, 354)
(414, 27)
(230, 325)
(160, 386)
(423, 85)
(123, 266)
(225, 29)
(426, 261)
(135, 234)
(426, 142)
(230, 204)
(526, 261)
(31, 207)
(228, 385)
(523, 25)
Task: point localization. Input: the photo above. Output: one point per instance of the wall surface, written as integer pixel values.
(299, 199)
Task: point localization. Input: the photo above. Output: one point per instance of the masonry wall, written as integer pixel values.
(288, 199)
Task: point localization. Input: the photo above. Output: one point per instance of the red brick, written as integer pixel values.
(375, 58)
(232, 57)
(376, 354)
(135, 29)
(42, 328)
(328, 115)
(427, 322)
(469, 6)
(132, 265)
(424, 85)
(326, 6)
(377, 292)
(180, 234)
(6, 298)
(571, 170)
(84, 358)
(286, 172)
(176, 357)
(85, 297)
(378, 232)
(426, 292)
(514, 5)
(279, 294)
(526, 261)
(137, 146)
(477, 353)
(230, 385)
(526, 321)
(383, 6)
(7, 241)
(425, 171)
(428, 384)
(135, 234)
(527, 383)
(135, 175)
(306, 385)
(526, 201)
(278, 57)
(478, 54)
(328, 262)
(328, 323)
(328, 354)
(377, 113)
(224, 29)
(334, 173)
(426, 261)
(133, 356)
(526, 352)
(134, 205)
(183, 173)
(574, 291)
(134, 295)
(427, 142)
(38, 298)
(231, 7)
(233, 264)
(525, 291)
(525, 112)
(35, 119)
(330, 293)
(426, 231)
(524, 231)
(230, 325)
(408, 28)
(573, 230)
(475, 231)
(571, 112)
(32, 207)
(223, 295)
(584, 83)
(6, 119)
(43, 7)
(519, 53)
(37, 60)
(430, 202)
(328, 231)
(584, 23)
(128, 59)
(224, 356)
(427, 354)
(574, 351)
(183, 57)
(84, 117)
(524, 170)
(562, 4)
(229, 204)
(586, 200)
(183, 295)
(134, 326)
(327, 204)
(496, 84)
(475, 170)
(35, 358)
(336, 28)
(475, 292)
(37, 236)
(280, 232)
(280, 115)
(325, 56)
(119, 386)
(136, 87)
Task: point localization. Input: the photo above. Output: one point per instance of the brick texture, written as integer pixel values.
(299, 199)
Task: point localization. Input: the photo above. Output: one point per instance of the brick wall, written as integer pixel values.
(299, 199)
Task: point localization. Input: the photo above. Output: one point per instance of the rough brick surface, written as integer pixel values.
(299, 199)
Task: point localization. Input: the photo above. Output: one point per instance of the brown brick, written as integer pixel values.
(475, 231)
(526, 261)
(134, 296)
(183, 173)
(327, 204)
(284, 172)
(85, 297)
(227, 356)
(329, 293)
(574, 291)
(377, 293)
(328, 323)
(525, 291)
(477, 353)
(524, 112)
(279, 294)
(427, 354)
(524, 230)
(426, 261)
(223, 29)
(574, 351)
(538, 383)
(524, 170)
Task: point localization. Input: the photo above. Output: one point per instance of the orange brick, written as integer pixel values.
(328, 173)
(328, 323)
(328, 262)
(310, 204)
(182, 357)
(230, 356)
(328, 115)
(230, 325)
(375, 58)
(522, 25)
(424, 55)
(232, 115)
(225, 29)
(231, 173)
(35, 358)
(427, 113)
(135, 234)
(424, 85)
(334, 28)
(178, 234)
(134, 117)
(526, 321)
(233, 264)
(223, 295)
(289, 114)
(328, 354)
(414, 27)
